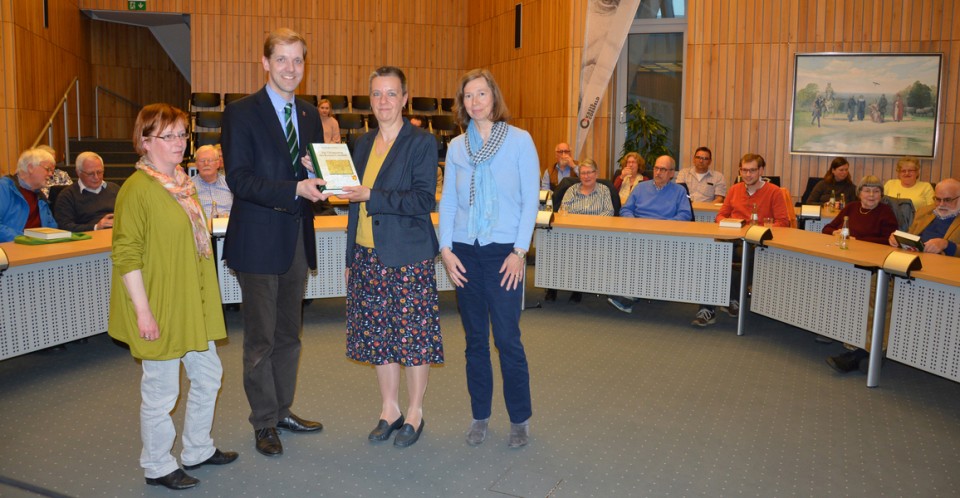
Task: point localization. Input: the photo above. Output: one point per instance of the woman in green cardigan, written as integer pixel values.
(165, 300)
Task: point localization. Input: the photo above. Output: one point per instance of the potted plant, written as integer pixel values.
(644, 135)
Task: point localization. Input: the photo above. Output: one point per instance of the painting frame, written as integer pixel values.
(867, 113)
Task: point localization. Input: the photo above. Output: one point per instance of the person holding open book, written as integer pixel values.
(869, 219)
(393, 313)
(937, 225)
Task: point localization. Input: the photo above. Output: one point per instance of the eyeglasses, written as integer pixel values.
(945, 200)
(661, 170)
(563, 151)
(171, 137)
(208, 161)
(702, 158)
(749, 170)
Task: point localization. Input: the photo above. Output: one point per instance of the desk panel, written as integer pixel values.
(925, 324)
(650, 266)
(53, 302)
(824, 296)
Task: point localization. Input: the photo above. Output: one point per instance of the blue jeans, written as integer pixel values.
(483, 302)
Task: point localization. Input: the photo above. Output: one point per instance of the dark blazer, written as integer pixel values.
(402, 198)
(266, 213)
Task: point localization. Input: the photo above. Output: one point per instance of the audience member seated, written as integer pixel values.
(869, 219)
(59, 177)
(22, 204)
(629, 175)
(908, 184)
(331, 128)
(563, 168)
(704, 184)
(587, 197)
(836, 182)
(939, 229)
(87, 204)
(659, 199)
(211, 183)
(742, 198)
(938, 225)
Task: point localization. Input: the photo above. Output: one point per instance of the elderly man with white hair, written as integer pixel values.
(210, 182)
(87, 204)
(22, 204)
(938, 225)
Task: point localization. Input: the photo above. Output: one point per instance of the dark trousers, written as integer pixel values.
(272, 319)
(484, 303)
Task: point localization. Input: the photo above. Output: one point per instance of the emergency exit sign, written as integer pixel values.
(141, 5)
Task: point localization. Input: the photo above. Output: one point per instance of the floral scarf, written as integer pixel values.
(182, 190)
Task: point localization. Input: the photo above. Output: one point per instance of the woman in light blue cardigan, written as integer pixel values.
(487, 213)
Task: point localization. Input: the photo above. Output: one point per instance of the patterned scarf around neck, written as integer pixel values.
(181, 189)
(483, 188)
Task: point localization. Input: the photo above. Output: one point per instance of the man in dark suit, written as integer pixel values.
(270, 240)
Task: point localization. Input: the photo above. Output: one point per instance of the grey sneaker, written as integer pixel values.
(519, 435)
(705, 317)
(477, 432)
(617, 303)
(733, 309)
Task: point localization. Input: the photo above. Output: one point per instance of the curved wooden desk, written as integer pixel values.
(652, 259)
(53, 294)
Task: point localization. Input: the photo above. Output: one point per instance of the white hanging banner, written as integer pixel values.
(607, 26)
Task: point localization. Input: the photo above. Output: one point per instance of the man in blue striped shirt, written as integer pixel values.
(210, 182)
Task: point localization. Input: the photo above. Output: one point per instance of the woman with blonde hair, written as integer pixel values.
(907, 185)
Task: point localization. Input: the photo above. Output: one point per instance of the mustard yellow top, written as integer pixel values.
(370, 174)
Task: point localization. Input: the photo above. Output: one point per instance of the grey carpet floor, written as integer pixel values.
(624, 405)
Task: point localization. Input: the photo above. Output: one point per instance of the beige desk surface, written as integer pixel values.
(637, 225)
(824, 246)
(939, 268)
(712, 207)
(19, 254)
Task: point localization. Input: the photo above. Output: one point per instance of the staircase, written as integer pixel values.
(118, 156)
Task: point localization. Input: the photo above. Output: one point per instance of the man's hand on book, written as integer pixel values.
(310, 189)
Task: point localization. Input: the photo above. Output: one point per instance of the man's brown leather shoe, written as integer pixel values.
(268, 441)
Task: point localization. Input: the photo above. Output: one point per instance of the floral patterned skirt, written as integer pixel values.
(393, 313)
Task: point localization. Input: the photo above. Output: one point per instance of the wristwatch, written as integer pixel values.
(520, 253)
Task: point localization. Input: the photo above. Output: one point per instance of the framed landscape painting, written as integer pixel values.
(866, 104)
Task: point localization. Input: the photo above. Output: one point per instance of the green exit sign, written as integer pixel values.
(141, 5)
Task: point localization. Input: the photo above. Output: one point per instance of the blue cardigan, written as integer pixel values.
(516, 169)
(14, 210)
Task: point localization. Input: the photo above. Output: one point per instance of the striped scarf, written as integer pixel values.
(483, 188)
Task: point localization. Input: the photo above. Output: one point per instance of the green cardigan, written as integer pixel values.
(152, 233)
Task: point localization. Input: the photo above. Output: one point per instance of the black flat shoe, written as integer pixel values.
(406, 436)
(384, 429)
(296, 424)
(268, 441)
(218, 458)
(178, 479)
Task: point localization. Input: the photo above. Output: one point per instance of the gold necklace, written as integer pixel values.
(860, 208)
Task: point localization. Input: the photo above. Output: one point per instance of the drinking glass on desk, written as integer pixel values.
(768, 222)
